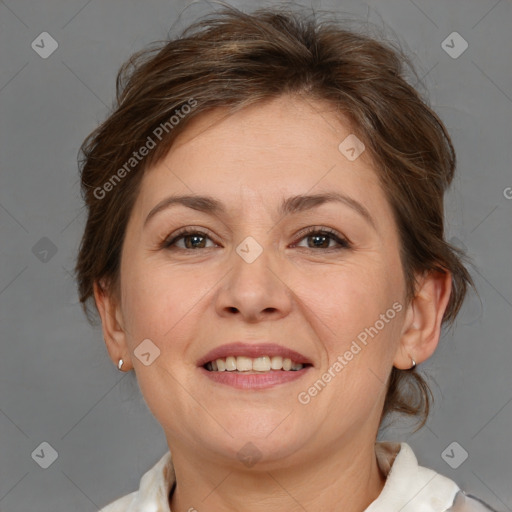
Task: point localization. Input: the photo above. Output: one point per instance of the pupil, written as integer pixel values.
(316, 238)
(191, 239)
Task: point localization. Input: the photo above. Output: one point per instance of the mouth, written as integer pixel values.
(253, 366)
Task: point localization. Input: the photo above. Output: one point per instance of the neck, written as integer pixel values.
(346, 479)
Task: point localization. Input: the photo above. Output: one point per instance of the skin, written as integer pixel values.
(318, 456)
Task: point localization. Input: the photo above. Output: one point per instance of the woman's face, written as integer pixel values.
(267, 276)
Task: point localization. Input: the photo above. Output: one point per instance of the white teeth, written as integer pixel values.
(261, 364)
(230, 363)
(257, 364)
(243, 364)
(277, 362)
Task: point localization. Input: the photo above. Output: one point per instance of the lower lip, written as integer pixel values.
(255, 380)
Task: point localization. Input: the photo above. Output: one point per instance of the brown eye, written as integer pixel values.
(321, 239)
(191, 240)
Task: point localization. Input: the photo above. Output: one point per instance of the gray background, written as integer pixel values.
(57, 384)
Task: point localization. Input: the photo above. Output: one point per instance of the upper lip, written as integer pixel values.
(252, 349)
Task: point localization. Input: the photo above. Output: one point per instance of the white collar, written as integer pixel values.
(410, 487)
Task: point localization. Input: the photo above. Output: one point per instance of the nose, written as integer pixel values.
(255, 290)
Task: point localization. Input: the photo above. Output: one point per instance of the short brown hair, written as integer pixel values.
(233, 59)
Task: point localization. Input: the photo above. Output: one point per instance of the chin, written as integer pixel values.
(265, 441)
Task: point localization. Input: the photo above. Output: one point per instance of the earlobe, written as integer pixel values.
(111, 323)
(422, 326)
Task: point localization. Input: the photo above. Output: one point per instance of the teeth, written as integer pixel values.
(261, 364)
(243, 364)
(276, 363)
(230, 363)
(257, 364)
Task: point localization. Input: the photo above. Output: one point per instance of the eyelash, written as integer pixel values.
(330, 233)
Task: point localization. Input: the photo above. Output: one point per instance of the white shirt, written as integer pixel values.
(408, 488)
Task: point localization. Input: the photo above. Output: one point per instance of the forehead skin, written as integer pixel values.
(261, 158)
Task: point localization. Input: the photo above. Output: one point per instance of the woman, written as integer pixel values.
(265, 248)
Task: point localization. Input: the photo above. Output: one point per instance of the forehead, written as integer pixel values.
(284, 146)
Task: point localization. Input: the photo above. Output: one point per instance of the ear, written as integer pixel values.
(422, 325)
(112, 324)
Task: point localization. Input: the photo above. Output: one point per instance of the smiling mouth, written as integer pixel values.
(248, 365)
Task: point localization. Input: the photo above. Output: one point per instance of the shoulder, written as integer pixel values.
(410, 487)
(153, 492)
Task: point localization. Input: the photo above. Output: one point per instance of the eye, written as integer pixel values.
(322, 237)
(192, 239)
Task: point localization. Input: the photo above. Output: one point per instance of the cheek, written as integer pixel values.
(159, 300)
(354, 297)
(149, 302)
(359, 309)
(360, 315)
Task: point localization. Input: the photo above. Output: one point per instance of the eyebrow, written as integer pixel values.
(290, 205)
